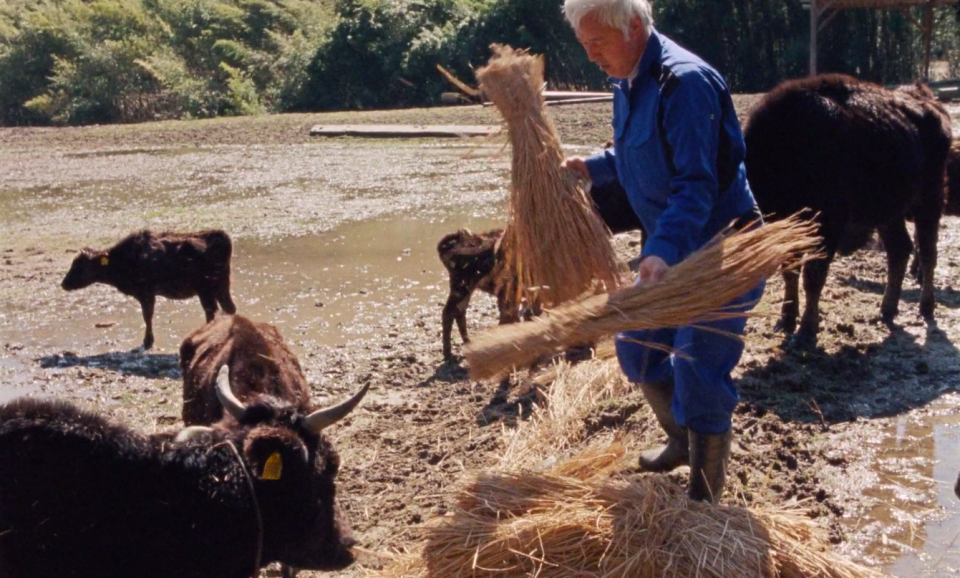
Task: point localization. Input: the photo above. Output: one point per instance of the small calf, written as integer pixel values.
(475, 260)
(173, 265)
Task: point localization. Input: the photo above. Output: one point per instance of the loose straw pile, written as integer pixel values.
(557, 244)
(694, 291)
(576, 521)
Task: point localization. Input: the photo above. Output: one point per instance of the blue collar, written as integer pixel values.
(652, 52)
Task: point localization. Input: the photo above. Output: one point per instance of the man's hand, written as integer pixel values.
(651, 270)
(578, 166)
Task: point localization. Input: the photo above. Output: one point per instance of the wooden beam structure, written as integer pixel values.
(403, 130)
(823, 11)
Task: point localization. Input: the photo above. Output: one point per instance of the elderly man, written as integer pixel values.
(678, 152)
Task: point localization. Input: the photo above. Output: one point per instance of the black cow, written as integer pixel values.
(858, 157)
(261, 366)
(173, 265)
(84, 497)
(475, 261)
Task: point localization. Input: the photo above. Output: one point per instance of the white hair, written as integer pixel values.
(615, 13)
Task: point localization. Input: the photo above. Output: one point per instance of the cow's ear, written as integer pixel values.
(274, 457)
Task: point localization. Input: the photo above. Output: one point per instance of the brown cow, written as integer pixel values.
(173, 265)
(260, 364)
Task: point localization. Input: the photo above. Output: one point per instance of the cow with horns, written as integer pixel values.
(85, 497)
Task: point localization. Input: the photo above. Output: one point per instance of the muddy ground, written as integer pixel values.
(335, 243)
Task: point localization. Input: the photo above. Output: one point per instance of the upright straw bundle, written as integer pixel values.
(693, 291)
(557, 245)
(578, 522)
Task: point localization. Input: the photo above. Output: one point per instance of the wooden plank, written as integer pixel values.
(402, 130)
(566, 94)
(561, 102)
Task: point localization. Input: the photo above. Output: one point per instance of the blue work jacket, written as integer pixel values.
(669, 165)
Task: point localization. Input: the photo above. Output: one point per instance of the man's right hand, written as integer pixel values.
(578, 166)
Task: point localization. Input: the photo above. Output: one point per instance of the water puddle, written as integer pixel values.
(14, 378)
(355, 282)
(913, 530)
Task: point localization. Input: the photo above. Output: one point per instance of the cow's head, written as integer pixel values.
(293, 468)
(88, 267)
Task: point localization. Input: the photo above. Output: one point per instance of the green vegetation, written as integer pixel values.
(106, 61)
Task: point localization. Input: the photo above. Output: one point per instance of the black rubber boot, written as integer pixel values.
(676, 452)
(709, 454)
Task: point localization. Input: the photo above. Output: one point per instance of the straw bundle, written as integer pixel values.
(576, 522)
(693, 291)
(557, 244)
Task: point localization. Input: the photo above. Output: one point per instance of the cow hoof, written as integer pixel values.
(887, 317)
(926, 311)
(785, 325)
(287, 571)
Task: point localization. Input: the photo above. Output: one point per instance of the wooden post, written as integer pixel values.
(927, 33)
(814, 22)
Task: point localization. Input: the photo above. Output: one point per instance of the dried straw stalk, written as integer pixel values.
(572, 522)
(694, 291)
(557, 244)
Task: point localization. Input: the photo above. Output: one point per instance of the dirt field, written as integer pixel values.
(335, 243)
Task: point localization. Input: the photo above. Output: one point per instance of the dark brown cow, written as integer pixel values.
(172, 265)
(860, 158)
(260, 365)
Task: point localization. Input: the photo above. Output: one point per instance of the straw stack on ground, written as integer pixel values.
(574, 520)
(693, 291)
(558, 245)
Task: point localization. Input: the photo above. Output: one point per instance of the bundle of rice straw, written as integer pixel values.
(576, 521)
(557, 244)
(693, 291)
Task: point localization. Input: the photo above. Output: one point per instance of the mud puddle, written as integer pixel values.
(352, 283)
(913, 528)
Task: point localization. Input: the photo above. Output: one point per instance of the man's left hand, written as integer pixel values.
(652, 269)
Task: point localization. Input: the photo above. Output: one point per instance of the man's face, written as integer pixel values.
(607, 48)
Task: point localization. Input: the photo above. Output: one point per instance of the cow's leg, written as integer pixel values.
(147, 303)
(927, 231)
(287, 571)
(814, 278)
(209, 303)
(455, 310)
(790, 308)
(897, 242)
(223, 295)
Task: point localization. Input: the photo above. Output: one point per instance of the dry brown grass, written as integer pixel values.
(578, 521)
(694, 291)
(552, 507)
(556, 244)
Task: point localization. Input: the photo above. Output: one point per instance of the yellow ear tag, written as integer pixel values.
(273, 467)
(104, 261)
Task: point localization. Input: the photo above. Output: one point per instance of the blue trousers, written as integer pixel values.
(704, 394)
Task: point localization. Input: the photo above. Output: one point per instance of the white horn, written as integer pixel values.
(230, 402)
(326, 417)
(192, 432)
